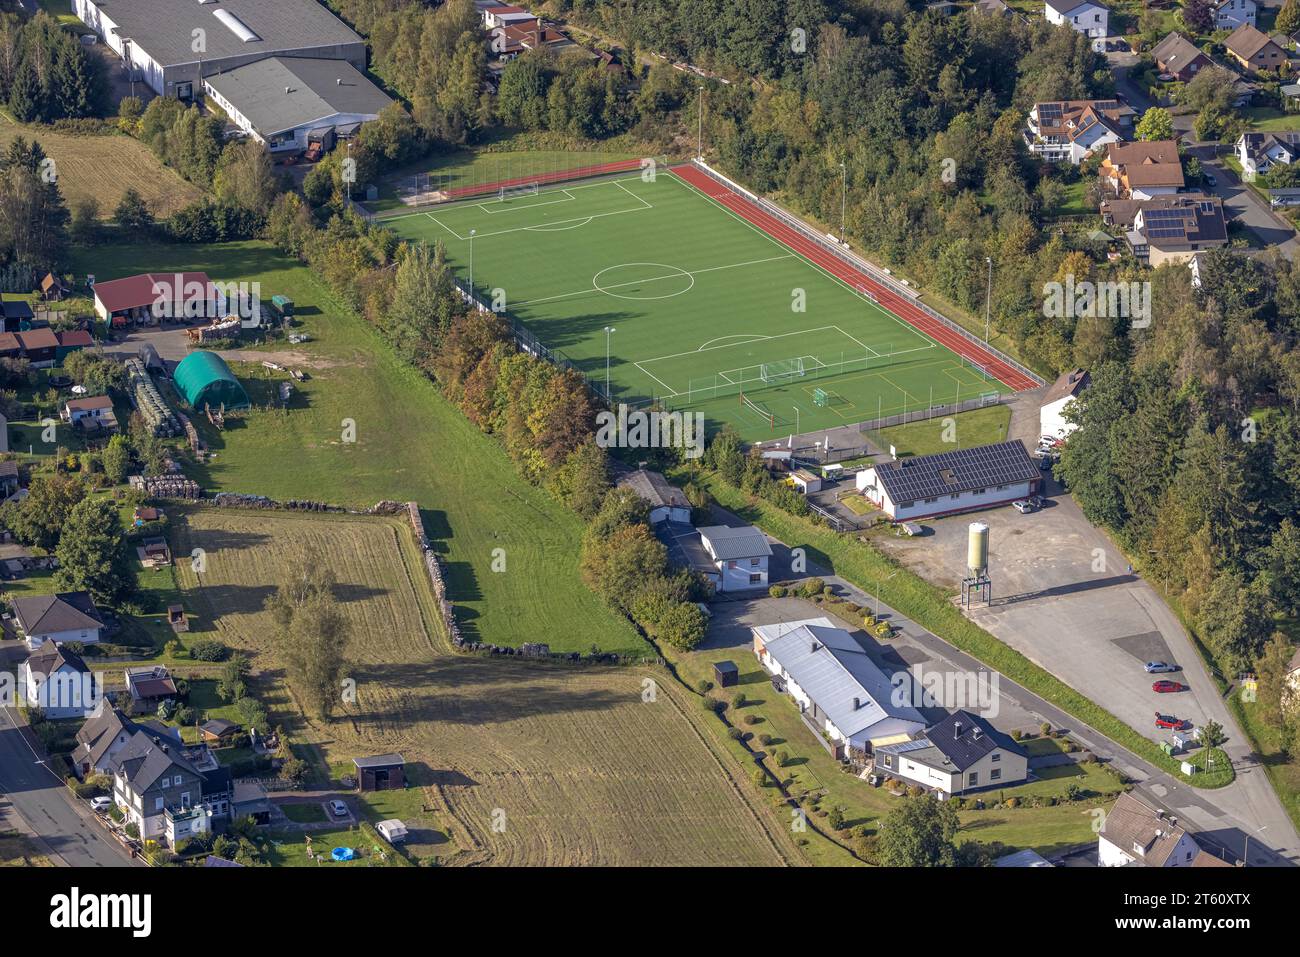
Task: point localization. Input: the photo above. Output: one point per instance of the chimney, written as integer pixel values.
(815, 646)
(857, 703)
(956, 730)
(976, 733)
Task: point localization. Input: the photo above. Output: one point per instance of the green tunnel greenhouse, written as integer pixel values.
(205, 380)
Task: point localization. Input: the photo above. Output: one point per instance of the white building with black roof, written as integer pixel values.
(667, 502)
(963, 480)
(961, 753)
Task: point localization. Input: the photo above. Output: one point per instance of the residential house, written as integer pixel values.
(1258, 152)
(92, 412)
(99, 740)
(1051, 414)
(508, 42)
(497, 14)
(1178, 57)
(962, 480)
(163, 791)
(1073, 129)
(1023, 858)
(10, 481)
(1254, 50)
(149, 685)
(148, 298)
(840, 691)
(960, 754)
(1284, 196)
(1085, 16)
(58, 682)
(1142, 169)
(667, 502)
(67, 616)
(1230, 14)
(1177, 228)
(1134, 832)
(740, 556)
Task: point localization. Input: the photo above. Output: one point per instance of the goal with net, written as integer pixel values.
(781, 371)
(523, 189)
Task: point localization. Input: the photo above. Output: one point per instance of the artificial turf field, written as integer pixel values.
(704, 306)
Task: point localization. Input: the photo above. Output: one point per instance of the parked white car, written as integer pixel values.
(101, 804)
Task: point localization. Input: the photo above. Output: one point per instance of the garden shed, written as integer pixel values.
(206, 381)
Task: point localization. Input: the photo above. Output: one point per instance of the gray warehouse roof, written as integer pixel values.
(165, 28)
(284, 93)
(961, 470)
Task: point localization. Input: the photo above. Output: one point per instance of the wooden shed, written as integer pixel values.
(380, 772)
(726, 674)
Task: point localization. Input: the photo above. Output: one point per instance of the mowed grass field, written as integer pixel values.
(702, 306)
(527, 762)
(410, 445)
(105, 167)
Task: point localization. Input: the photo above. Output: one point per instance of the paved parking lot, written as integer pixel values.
(1063, 597)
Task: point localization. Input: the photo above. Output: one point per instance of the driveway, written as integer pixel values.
(1243, 203)
(1120, 64)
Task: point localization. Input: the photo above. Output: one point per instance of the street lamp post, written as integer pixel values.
(844, 197)
(988, 299)
(796, 420)
(471, 261)
(879, 583)
(608, 331)
(699, 135)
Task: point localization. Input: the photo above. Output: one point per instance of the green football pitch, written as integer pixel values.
(707, 312)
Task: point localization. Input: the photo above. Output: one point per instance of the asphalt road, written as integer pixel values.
(63, 824)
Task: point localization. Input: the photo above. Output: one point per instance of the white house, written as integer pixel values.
(68, 616)
(805, 482)
(96, 407)
(835, 684)
(961, 753)
(1135, 833)
(1230, 14)
(59, 683)
(1087, 17)
(739, 554)
(1257, 152)
(99, 740)
(1071, 130)
(1051, 415)
(949, 482)
(667, 502)
(161, 791)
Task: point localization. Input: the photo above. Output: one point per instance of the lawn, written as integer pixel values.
(963, 430)
(583, 767)
(104, 167)
(304, 813)
(706, 310)
(410, 445)
(289, 849)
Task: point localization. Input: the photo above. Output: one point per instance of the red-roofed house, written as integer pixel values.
(149, 297)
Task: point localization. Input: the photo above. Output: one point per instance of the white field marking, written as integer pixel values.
(470, 201)
(741, 335)
(660, 381)
(568, 198)
(636, 282)
(776, 242)
(541, 227)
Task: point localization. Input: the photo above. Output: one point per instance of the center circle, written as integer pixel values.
(640, 280)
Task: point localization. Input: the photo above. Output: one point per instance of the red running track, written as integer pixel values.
(896, 304)
(555, 176)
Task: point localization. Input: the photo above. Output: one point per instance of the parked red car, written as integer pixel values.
(1165, 687)
(1171, 723)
